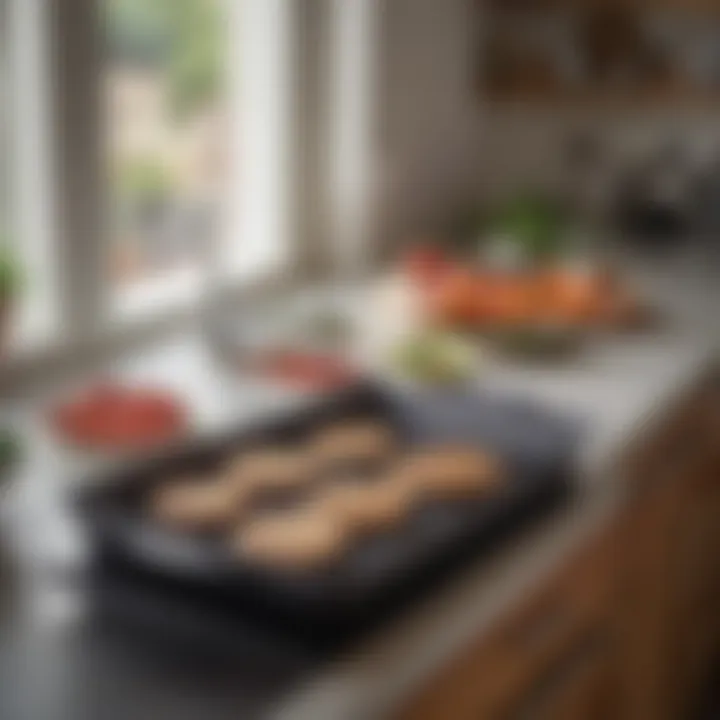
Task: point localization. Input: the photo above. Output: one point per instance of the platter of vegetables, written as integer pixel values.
(524, 289)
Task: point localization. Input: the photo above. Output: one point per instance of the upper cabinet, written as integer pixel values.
(634, 52)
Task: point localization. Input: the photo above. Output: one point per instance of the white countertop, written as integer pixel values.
(615, 385)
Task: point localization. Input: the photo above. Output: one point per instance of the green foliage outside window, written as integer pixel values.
(183, 39)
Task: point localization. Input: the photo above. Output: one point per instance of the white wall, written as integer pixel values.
(429, 113)
(442, 147)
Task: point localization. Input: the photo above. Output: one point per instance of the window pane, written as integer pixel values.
(4, 126)
(25, 168)
(259, 221)
(167, 144)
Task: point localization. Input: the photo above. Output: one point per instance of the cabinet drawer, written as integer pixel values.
(487, 679)
(576, 688)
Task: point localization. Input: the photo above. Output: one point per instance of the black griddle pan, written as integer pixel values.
(377, 575)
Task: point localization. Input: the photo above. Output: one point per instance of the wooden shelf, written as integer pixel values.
(677, 99)
(534, 48)
(704, 6)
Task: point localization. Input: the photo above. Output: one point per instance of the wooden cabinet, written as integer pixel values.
(579, 688)
(669, 589)
(694, 619)
(628, 628)
(600, 41)
(548, 658)
(644, 606)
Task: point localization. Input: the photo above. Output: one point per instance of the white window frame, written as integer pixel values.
(78, 28)
(87, 304)
(77, 206)
(30, 168)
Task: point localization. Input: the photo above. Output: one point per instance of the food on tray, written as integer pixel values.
(435, 357)
(306, 369)
(369, 506)
(571, 296)
(194, 504)
(482, 298)
(425, 265)
(450, 471)
(276, 468)
(363, 486)
(471, 297)
(455, 300)
(475, 298)
(353, 442)
(298, 539)
(338, 500)
(111, 416)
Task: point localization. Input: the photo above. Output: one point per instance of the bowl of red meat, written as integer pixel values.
(115, 417)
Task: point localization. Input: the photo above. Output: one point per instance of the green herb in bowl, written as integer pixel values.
(435, 358)
(536, 226)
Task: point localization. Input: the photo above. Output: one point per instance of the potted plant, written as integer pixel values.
(10, 454)
(531, 228)
(10, 284)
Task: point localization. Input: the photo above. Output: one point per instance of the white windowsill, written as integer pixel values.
(156, 295)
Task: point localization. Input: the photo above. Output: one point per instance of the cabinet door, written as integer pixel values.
(667, 606)
(579, 688)
(490, 680)
(697, 593)
(645, 604)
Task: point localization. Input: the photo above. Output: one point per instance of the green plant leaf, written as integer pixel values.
(11, 273)
(538, 225)
(10, 449)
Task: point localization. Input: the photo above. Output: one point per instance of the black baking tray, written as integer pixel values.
(378, 575)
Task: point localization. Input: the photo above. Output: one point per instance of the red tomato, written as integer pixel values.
(425, 265)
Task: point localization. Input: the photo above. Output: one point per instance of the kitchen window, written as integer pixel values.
(5, 143)
(166, 144)
(195, 126)
(25, 168)
(164, 150)
(145, 159)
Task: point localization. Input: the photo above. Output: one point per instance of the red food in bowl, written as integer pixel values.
(313, 371)
(425, 266)
(113, 417)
